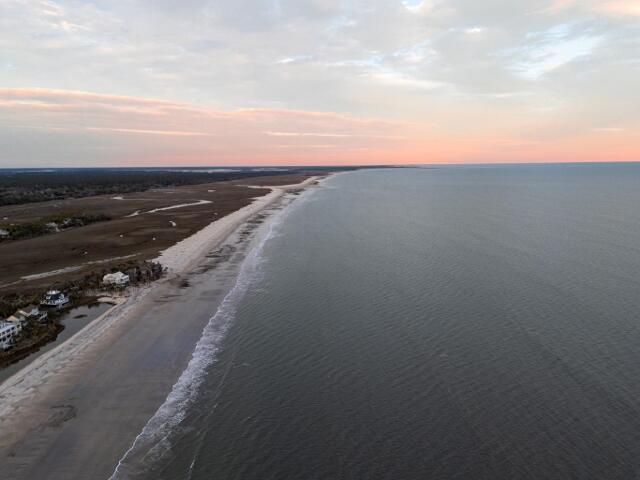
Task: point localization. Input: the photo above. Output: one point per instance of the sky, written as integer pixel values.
(276, 82)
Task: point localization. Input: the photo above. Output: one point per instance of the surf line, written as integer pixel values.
(153, 441)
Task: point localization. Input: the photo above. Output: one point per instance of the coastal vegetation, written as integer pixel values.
(49, 224)
(85, 291)
(75, 260)
(33, 336)
(28, 186)
(140, 273)
(18, 187)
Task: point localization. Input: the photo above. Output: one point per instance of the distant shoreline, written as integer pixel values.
(109, 343)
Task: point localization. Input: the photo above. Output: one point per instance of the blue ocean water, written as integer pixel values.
(478, 322)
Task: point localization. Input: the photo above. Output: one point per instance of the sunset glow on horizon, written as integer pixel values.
(318, 82)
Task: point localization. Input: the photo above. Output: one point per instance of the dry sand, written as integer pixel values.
(74, 411)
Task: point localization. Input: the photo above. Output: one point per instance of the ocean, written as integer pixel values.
(476, 322)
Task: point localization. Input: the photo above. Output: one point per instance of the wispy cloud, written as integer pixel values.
(609, 7)
(553, 48)
(333, 135)
(87, 120)
(135, 131)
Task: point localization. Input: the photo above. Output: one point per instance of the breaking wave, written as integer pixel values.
(150, 445)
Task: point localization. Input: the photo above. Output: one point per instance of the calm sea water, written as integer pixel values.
(445, 323)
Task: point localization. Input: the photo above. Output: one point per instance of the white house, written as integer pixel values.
(18, 318)
(117, 279)
(54, 298)
(32, 311)
(25, 314)
(9, 333)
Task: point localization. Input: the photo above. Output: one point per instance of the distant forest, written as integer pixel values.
(26, 187)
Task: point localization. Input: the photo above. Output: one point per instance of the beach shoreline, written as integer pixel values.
(63, 375)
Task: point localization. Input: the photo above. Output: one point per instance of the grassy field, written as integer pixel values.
(133, 227)
(18, 187)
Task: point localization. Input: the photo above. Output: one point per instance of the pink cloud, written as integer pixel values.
(58, 127)
(186, 133)
(609, 7)
(621, 7)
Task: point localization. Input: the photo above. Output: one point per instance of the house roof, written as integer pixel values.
(115, 276)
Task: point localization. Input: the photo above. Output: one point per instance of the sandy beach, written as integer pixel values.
(75, 410)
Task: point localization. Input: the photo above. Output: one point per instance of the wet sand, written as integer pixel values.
(74, 411)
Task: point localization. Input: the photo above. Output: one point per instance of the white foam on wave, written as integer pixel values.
(153, 441)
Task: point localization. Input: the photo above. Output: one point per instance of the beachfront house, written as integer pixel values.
(32, 312)
(54, 298)
(9, 333)
(117, 279)
(18, 318)
(27, 314)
